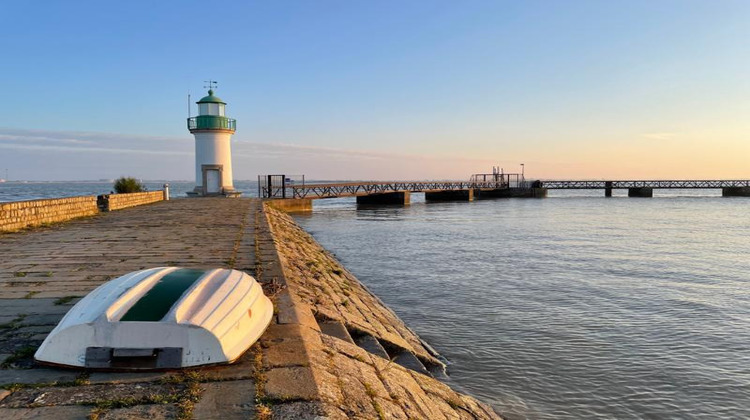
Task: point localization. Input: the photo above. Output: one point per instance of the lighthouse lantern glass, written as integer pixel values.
(211, 109)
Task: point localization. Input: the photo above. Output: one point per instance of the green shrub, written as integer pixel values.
(128, 185)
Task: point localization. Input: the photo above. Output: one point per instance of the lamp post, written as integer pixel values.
(523, 178)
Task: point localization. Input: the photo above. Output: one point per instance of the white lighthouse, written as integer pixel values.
(213, 155)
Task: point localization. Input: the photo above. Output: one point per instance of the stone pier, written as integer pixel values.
(640, 192)
(392, 198)
(450, 195)
(608, 189)
(736, 192)
(333, 349)
(292, 205)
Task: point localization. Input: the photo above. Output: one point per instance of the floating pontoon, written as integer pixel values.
(161, 318)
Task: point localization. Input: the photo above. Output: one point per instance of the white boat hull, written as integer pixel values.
(144, 320)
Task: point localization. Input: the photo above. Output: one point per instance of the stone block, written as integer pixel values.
(346, 348)
(290, 205)
(139, 412)
(291, 383)
(49, 319)
(389, 409)
(287, 345)
(357, 398)
(372, 345)
(301, 410)
(336, 329)
(126, 377)
(328, 387)
(36, 376)
(226, 400)
(74, 412)
(291, 311)
(410, 361)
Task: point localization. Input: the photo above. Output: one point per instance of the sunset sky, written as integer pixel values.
(380, 89)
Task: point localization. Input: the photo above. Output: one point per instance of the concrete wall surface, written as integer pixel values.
(22, 214)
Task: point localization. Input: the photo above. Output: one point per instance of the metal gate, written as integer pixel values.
(276, 186)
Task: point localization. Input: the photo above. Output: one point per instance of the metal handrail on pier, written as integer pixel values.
(674, 184)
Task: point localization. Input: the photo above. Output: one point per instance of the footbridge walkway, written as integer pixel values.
(396, 192)
(645, 188)
(496, 185)
(350, 189)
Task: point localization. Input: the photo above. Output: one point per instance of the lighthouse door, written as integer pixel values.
(213, 181)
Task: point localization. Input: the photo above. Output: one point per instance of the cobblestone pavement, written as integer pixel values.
(44, 271)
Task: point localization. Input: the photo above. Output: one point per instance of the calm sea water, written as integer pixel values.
(575, 306)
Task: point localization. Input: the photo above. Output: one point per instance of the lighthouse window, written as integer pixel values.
(211, 109)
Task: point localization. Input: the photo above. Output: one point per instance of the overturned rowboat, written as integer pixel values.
(161, 318)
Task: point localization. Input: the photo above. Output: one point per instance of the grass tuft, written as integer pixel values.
(20, 354)
(453, 403)
(14, 324)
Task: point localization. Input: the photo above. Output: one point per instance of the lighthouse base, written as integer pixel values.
(198, 192)
(213, 182)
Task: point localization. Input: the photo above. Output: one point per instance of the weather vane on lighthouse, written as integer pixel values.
(213, 155)
(212, 84)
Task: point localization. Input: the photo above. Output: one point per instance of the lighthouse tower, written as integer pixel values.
(213, 154)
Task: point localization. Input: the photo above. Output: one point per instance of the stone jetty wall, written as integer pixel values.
(22, 214)
(362, 359)
(19, 215)
(109, 202)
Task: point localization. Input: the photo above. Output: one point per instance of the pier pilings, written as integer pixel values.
(512, 193)
(392, 198)
(735, 192)
(640, 192)
(450, 195)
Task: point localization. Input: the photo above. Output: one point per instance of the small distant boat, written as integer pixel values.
(161, 318)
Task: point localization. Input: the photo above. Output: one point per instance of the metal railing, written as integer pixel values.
(294, 186)
(503, 180)
(351, 189)
(676, 184)
(211, 122)
(278, 186)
